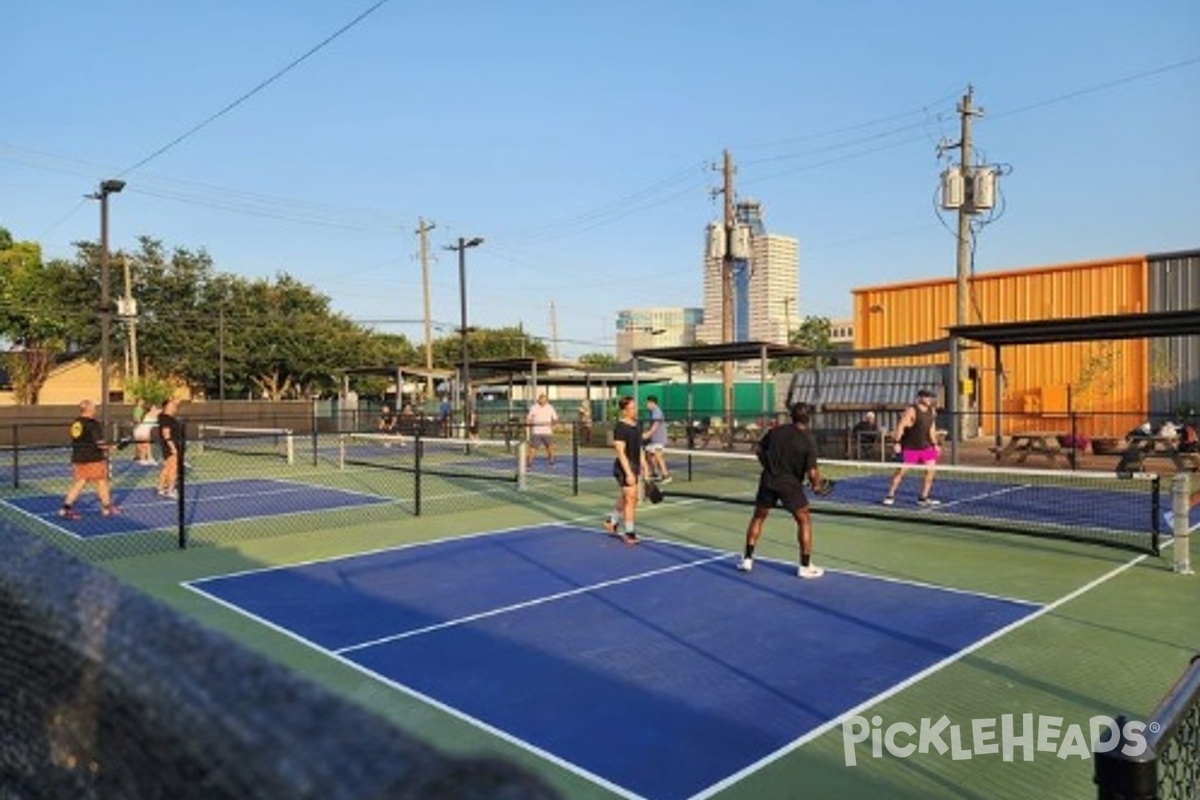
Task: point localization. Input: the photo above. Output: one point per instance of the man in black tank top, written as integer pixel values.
(916, 444)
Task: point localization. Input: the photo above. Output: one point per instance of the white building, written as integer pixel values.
(639, 328)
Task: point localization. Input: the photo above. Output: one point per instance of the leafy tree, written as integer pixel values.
(37, 313)
(488, 343)
(813, 333)
(597, 360)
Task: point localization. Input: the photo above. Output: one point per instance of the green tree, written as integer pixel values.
(813, 333)
(488, 343)
(597, 360)
(39, 314)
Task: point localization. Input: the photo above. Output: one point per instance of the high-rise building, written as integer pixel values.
(639, 328)
(765, 285)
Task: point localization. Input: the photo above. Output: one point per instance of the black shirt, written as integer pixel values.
(170, 432)
(631, 435)
(787, 454)
(87, 434)
(917, 435)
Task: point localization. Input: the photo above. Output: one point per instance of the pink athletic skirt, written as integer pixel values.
(927, 456)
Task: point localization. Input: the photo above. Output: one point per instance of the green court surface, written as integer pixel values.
(1114, 631)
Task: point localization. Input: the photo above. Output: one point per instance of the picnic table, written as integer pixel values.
(1021, 446)
(1141, 448)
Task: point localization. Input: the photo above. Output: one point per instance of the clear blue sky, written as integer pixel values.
(580, 140)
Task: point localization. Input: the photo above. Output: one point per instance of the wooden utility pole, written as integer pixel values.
(727, 292)
(963, 264)
(553, 332)
(131, 321)
(423, 229)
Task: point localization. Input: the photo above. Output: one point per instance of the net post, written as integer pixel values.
(16, 459)
(200, 437)
(522, 451)
(1181, 506)
(181, 486)
(418, 451)
(575, 431)
(289, 443)
(342, 450)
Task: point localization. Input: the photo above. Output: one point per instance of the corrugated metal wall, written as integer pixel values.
(1174, 363)
(1104, 377)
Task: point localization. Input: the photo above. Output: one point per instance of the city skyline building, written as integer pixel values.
(765, 286)
(639, 328)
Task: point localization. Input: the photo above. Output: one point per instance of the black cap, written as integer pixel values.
(924, 393)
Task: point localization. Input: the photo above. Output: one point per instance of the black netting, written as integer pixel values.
(108, 694)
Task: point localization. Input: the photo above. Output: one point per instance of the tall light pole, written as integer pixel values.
(111, 186)
(461, 247)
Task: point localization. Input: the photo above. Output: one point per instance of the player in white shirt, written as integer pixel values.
(541, 420)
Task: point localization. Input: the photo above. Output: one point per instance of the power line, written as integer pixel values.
(1099, 87)
(261, 86)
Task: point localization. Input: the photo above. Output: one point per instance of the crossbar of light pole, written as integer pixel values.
(463, 245)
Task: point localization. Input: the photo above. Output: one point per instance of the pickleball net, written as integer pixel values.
(475, 459)
(1127, 511)
(267, 442)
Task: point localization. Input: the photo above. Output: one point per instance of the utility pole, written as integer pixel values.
(787, 318)
(963, 262)
(553, 332)
(727, 292)
(423, 229)
(130, 314)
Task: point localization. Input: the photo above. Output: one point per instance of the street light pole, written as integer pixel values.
(461, 247)
(112, 186)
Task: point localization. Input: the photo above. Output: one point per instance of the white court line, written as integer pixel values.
(984, 496)
(913, 679)
(571, 767)
(530, 603)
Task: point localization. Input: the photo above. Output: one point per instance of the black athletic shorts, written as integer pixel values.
(788, 494)
(619, 473)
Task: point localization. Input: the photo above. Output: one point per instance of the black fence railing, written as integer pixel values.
(1160, 760)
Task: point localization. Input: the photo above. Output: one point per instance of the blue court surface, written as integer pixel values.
(658, 670)
(206, 502)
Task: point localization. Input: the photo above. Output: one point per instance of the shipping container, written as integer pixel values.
(1103, 381)
(1175, 362)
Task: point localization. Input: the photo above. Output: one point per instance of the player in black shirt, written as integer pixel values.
(788, 455)
(628, 468)
(171, 440)
(89, 462)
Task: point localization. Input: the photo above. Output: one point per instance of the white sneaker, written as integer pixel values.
(665, 480)
(811, 571)
(746, 565)
(889, 501)
(928, 502)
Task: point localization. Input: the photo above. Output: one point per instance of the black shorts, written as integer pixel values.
(619, 473)
(790, 495)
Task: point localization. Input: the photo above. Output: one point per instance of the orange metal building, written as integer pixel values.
(1097, 380)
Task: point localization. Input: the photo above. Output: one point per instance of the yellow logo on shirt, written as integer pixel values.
(76, 429)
